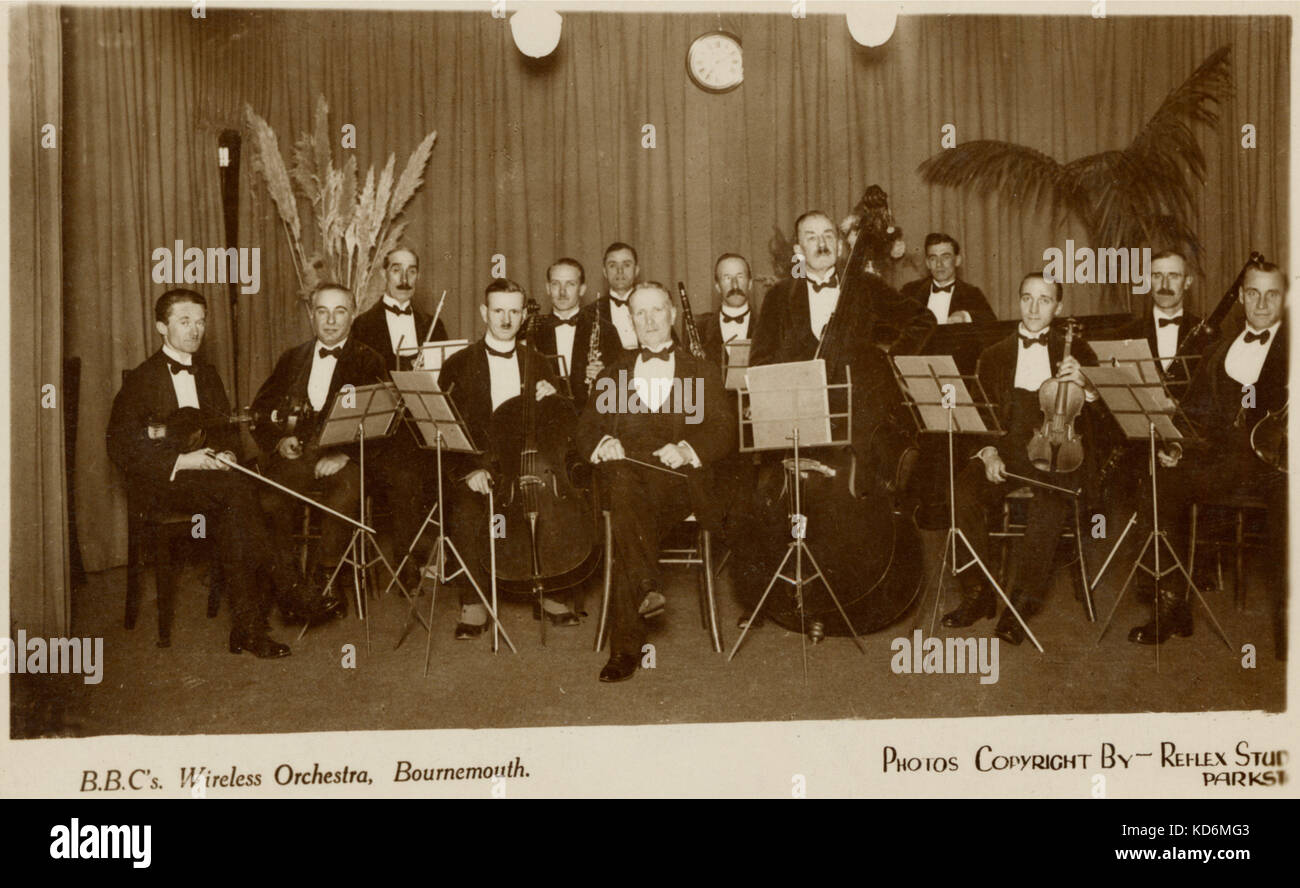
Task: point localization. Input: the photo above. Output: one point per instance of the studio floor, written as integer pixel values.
(197, 687)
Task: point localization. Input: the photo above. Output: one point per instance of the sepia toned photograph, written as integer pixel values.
(511, 365)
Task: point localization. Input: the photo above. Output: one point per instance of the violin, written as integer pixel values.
(1056, 446)
(550, 541)
(1268, 439)
(187, 428)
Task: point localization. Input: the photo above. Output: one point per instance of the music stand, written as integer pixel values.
(366, 411)
(440, 428)
(1144, 409)
(923, 380)
(737, 360)
(790, 403)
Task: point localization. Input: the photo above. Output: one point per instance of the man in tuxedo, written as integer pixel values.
(566, 330)
(1011, 372)
(1165, 322)
(1238, 381)
(164, 477)
(617, 333)
(735, 318)
(660, 405)
(402, 469)
(480, 378)
(950, 299)
(314, 372)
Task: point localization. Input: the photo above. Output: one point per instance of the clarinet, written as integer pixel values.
(688, 324)
(593, 341)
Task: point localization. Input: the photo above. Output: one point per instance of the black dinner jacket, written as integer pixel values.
(997, 375)
(371, 327)
(1214, 398)
(545, 344)
(358, 365)
(710, 327)
(146, 396)
(965, 297)
(466, 377)
(1145, 328)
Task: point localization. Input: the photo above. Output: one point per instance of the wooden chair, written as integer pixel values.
(1015, 507)
(1243, 538)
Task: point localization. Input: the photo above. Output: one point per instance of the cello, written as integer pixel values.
(550, 541)
(867, 554)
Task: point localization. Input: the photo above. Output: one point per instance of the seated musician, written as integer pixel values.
(735, 317)
(1011, 373)
(195, 481)
(402, 469)
(314, 372)
(659, 405)
(1238, 381)
(950, 299)
(480, 378)
(1165, 322)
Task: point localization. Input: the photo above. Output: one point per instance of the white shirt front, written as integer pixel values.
(1166, 336)
(564, 334)
(940, 303)
(734, 329)
(187, 393)
(504, 372)
(653, 380)
(401, 328)
(821, 303)
(621, 315)
(1245, 360)
(322, 372)
(1033, 363)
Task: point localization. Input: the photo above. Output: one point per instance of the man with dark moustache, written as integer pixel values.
(1011, 372)
(658, 404)
(314, 372)
(1238, 381)
(1165, 321)
(196, 481)
(480, 378)
(735, 317)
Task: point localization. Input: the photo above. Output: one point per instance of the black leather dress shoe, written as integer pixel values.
(1173, 621)
(564, 620)
(975, 606)
(748, 620)
(261, 645)
(1009, 628)
(652, 601)
(620, 667)
(467, 631)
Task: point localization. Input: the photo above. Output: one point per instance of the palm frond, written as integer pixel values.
(1014, 172)
(412, 175)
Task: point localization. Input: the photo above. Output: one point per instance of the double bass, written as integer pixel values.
(868, 555)
(550, 541)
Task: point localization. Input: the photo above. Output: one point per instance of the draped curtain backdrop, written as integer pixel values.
(540, 159)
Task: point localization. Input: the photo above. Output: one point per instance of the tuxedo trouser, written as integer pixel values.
(468, 527)
(340, 492)
(1048, 513)
(406, 475)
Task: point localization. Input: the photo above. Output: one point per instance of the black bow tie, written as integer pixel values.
(398, 311)
(832, 281)
(663, 355)
(566, 322)
(499, 354)
(1165, 322)
(1261, 338)
(614, 300)
(176, 366)
(330, 352)
(734, 319)
(941, 291)
(1026, 341)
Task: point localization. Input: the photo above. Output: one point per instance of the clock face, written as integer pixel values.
(715, 62)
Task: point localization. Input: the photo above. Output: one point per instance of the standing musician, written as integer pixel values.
(617, 333)
(1165, 322)
(1011, 373)
(480, 378)
(950, 299)
(658, 405)
(402, 469)
(195, 481)
(566, 330)
(315, 371)
(735, 317)
(1238, 381)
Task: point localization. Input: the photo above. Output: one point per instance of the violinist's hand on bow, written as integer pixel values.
(330, 464)
(479, 481)
(672, 455)
(289, 447)
(203, 459)
(544, 389)
(1170, 455)
(994, 468)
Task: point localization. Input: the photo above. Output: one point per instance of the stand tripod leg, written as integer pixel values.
(410, 550)
(997, 587)
(433, 596)
(1128, 579)
(1192, 586)
(753, 617)
(1113, 549)
(492, 611)
(839, 607)
(1083, 562)
(938, 585)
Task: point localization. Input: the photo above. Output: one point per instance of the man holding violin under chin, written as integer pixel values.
(1011, 372)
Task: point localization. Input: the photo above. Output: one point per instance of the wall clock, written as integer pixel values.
(714, 61)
